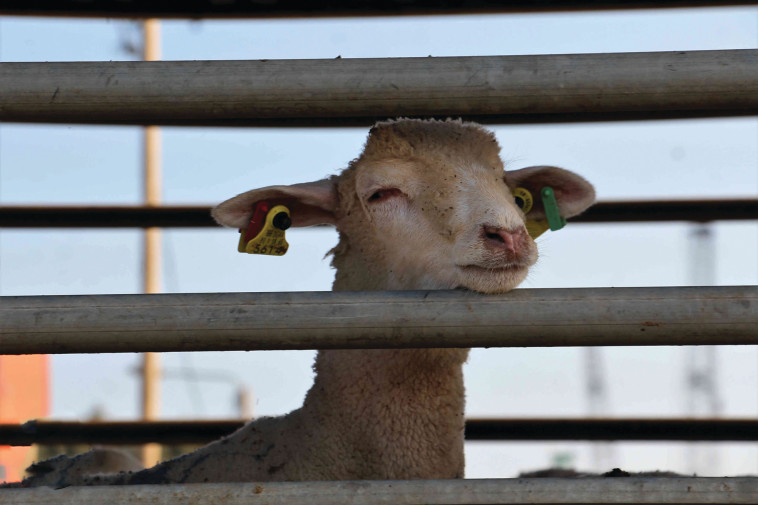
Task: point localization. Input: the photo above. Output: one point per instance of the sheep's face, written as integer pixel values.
(427, 205)
(436, 224)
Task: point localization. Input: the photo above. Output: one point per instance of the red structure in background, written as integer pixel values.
(24, 395)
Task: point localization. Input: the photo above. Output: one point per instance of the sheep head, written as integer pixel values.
(427, 205)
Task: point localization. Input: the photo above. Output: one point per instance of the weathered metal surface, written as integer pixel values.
(377, 319)
(648, 491)
(335, 92)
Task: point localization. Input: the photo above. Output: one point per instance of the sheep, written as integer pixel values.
(97, 461)
(427, 205)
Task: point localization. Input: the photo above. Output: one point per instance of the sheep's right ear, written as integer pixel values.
(310, 203)
(572, 192)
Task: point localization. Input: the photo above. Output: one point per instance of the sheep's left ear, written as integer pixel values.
(309, 203)
(572, 192)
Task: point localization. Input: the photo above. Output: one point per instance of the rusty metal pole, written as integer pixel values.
(151, 371)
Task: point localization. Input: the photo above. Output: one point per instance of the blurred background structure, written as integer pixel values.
(635, 160)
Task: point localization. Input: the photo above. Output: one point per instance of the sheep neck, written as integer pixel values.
(401, 410)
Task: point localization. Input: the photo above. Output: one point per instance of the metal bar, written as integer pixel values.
(339, 92)
(198, 216)
(106, 217)
(596, 429)
(586, 491)
(335, 8)
(379, 319)
(670, 210)
(115, 433)
(199, 432)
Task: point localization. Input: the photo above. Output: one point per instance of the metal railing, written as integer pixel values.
(379, 319)
(201, 432)
(341, 92)
(334, 8)
(198, 216)
(344, 92)
(647, 491)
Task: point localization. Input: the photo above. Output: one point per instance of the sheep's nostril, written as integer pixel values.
(502, 239)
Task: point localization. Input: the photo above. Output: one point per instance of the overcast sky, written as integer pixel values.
(640, 160)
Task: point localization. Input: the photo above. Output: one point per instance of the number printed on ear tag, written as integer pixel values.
(269, 238)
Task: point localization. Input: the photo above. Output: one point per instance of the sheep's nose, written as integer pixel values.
(511, 241)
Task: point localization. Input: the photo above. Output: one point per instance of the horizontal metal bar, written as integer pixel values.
(670, 210)
(613, 429)
(378, 319)
(585, 491)
(185, 216)
(342, 91)
(115, 433)
(198, 432)
(335, 8)
(23, 216)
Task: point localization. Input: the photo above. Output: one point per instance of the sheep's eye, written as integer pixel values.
(383, 194)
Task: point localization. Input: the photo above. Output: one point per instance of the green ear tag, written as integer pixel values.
(552, 212)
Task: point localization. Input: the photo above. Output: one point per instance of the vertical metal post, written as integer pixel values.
(151, 372)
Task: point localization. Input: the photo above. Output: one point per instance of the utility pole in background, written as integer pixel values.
(151, 368)
(598, 405)
(701, 373)
(245, 402)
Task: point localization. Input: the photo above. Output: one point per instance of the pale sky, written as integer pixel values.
(640, 160)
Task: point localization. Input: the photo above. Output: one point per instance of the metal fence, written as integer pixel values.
(498, 89)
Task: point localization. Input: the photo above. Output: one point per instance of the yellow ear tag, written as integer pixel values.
(536, 227)
(525, 201)
(270, 239)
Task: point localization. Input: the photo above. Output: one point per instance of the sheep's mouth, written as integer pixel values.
(492, 279)
(492, 270)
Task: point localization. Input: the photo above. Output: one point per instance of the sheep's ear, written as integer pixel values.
(572, 192)
(309, 204)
